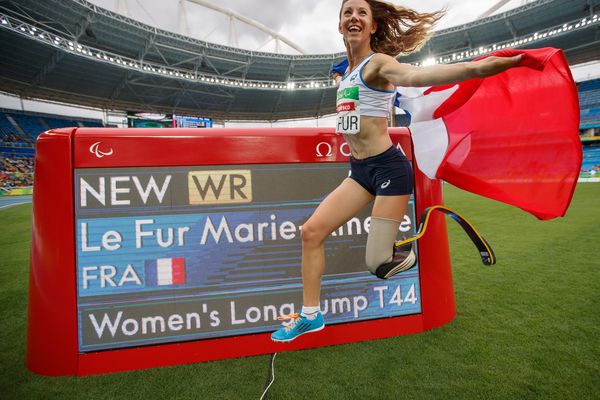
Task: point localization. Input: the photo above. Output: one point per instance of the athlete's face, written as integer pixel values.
(356, 21)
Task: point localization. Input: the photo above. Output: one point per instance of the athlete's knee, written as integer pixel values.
(311, 234)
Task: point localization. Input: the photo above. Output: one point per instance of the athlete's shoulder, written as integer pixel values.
(379, 60)
(382, 58)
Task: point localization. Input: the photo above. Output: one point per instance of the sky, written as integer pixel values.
(310, 24)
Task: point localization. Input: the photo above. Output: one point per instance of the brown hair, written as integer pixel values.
(400, 30)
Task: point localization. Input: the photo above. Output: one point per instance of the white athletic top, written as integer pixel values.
(356, 98)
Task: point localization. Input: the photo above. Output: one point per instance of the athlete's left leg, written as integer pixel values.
(390, 207)
(382, 258)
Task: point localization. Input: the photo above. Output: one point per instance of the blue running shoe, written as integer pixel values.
(297, 326)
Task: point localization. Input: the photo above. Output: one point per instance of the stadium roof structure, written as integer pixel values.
(75, 52)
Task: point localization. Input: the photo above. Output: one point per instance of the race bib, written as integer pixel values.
(348, 111)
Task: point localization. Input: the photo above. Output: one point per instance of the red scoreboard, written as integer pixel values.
(156, 247)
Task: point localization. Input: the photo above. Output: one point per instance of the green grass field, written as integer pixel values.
(527, 328)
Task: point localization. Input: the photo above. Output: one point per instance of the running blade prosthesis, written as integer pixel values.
(485, 250)
(406, 256)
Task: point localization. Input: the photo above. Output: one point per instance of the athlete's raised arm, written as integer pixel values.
(408, 75)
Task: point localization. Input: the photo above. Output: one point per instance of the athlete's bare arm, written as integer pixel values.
(407, 75)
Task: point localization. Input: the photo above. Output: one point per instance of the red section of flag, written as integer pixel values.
(513, 137)
(345, 107)
(178, 271)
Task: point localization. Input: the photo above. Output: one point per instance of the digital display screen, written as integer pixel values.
(149, 120)
(182, 121)
(169, 254)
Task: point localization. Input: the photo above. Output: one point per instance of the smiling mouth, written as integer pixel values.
(354, 28)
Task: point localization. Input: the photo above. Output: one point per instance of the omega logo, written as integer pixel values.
(325, 149)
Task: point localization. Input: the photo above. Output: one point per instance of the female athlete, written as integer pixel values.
(374, 33)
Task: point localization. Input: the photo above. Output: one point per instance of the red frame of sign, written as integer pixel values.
(52, 347)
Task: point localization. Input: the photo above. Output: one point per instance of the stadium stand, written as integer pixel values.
(32, 124)
(16, 169)
(9, 133)
(59, 123)
(54, 122)
(589, 102)
(128, 65)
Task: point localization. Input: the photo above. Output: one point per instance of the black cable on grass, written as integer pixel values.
(270, 378)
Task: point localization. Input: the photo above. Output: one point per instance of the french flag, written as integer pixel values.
(165, 271)
(511, 137)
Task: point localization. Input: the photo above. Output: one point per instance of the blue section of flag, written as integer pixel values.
(151, 273)
(341, 67)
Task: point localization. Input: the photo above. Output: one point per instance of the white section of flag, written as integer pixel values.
(164, 271)
(430, 141)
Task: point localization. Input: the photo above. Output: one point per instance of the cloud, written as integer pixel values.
(311, 24)
(274, 14)
(317, 31)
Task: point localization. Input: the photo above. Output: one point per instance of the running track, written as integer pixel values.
(10, 201)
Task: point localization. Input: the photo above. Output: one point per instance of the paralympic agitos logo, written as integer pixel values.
(95, 149)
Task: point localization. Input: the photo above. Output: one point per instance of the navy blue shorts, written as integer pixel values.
(386, 174)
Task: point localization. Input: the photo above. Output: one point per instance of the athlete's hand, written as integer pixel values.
(493, 65)
(337, 77)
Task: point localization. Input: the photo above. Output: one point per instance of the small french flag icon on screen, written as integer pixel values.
(165, 271)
